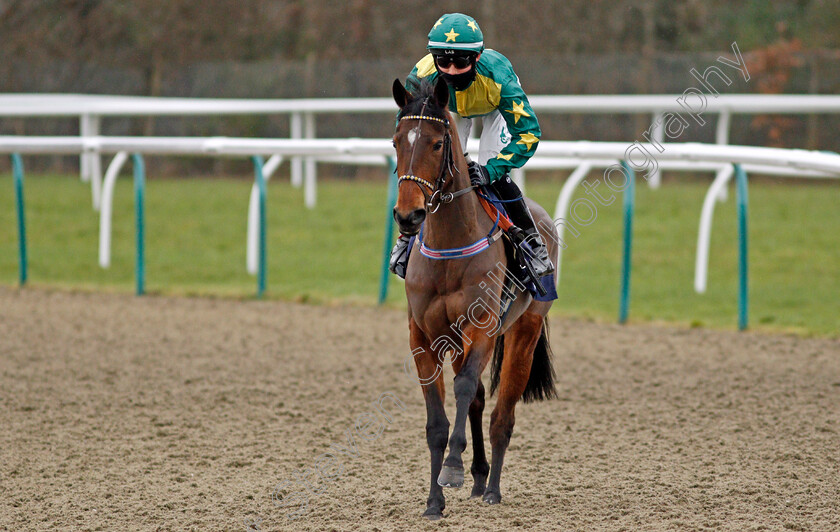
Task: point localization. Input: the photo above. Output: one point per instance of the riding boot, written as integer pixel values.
(399, 257)
(521, 217)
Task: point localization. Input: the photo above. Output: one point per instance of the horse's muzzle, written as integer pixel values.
(410, 224)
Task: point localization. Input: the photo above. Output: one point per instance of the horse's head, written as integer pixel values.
(423, 141)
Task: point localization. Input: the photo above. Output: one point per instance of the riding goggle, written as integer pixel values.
(460, 61)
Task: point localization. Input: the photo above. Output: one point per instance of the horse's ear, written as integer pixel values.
(442, 93)
(401, 96)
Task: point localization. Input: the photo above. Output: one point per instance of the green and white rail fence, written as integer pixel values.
(582, 157)
(303, 113)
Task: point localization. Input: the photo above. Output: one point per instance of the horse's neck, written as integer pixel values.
(461, 222)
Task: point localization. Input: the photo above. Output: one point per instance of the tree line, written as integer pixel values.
(155, 35)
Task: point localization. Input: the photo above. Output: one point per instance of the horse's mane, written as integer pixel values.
(424, 94)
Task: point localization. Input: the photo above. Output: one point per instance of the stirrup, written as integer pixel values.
(540, 264)
(540, 259)
(399, 257)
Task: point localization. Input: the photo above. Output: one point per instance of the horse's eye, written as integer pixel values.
(394, 143)
(438, 145)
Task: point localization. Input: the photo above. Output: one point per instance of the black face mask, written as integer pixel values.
(459, 81)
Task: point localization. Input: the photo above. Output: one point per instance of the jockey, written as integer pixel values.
(482, 87)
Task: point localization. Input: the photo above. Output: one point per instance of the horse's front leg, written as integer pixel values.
(476, 355)
(429, 373)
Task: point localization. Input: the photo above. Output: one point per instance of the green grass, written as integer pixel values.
(195, 238)
(196, 245)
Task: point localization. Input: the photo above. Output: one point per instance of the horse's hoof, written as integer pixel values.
(491, 497)
(477, 491)
(451, 477)
(433, 513)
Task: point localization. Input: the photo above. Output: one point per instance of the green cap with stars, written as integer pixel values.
(456, 31)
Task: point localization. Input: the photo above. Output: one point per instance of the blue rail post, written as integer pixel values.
(259, 179)
(629, 199)
(17, 170)
(743, 289)
(389, 229)
(140, 222)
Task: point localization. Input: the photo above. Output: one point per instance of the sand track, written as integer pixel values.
(125, 413)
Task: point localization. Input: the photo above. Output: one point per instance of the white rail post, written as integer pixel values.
(95, 165)
(271, 165)
(657, 135)
(296, 130)
(91, 163)
(84, 160)
(107, 208)
(561, 211)
(253, 234)
(722, 130)
(704, 234)
(722, 137)
(310, 178)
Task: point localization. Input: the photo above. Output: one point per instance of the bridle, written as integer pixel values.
(435, 197)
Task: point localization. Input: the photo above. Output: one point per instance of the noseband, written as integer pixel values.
(436, 197)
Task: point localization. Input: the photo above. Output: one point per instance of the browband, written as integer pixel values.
(424, 117)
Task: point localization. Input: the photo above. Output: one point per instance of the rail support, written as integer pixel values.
(17, 171)
(107, 208)
(84, 161)
(91, 163)
(296, 133)
(389, 229)
(252, 258)
(743, 287)
(310, 190)
(722, 129)
(657, 134)
(561, 209)
(259, 181)
(140, 223)
(629, 199)
(704, 234)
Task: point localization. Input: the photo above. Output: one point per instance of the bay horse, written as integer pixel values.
(452, 305)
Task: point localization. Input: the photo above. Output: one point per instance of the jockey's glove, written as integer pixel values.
(478, 174)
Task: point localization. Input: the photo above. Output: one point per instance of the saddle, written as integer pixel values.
(517, 249)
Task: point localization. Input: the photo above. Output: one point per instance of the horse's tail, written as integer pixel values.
(541, 379)
(496, 364)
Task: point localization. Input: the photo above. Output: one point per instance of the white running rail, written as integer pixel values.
(91, 109)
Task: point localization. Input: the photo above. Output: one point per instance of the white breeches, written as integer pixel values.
(494, 134)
